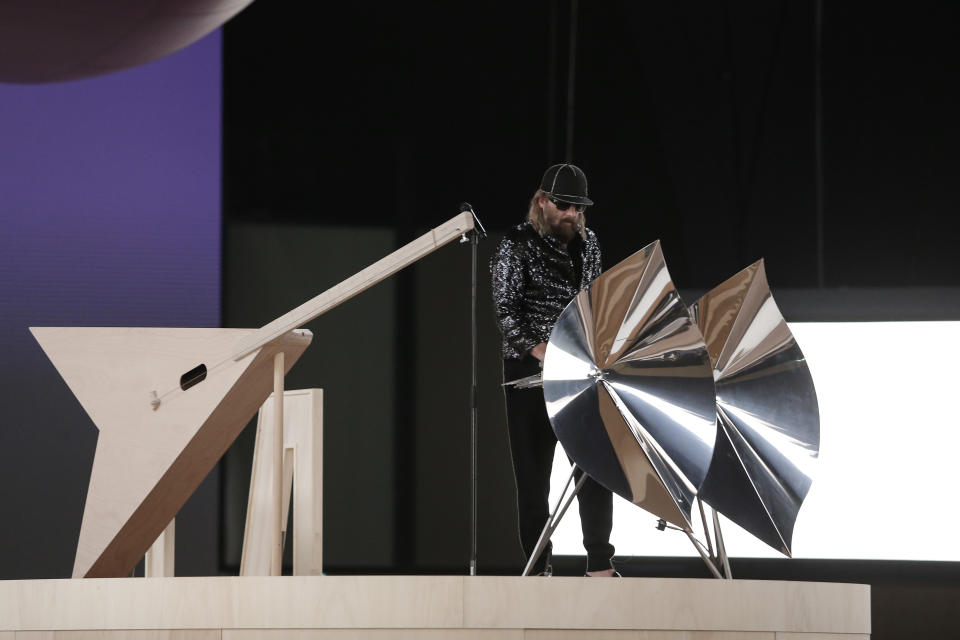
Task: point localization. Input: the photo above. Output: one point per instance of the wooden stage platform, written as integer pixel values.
(458, 607)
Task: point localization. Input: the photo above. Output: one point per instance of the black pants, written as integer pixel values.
(532, 444)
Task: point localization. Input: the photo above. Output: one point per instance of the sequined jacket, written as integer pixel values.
(534, 278)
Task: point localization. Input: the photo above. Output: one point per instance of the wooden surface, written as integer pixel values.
(357, 283)
(302, 472)
(416, 634)
(438, 607)
(149, 461)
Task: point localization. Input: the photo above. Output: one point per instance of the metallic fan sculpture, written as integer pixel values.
(629, 388)
(768, 421)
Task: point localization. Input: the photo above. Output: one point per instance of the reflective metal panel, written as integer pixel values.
(768, 434)
(629, 387)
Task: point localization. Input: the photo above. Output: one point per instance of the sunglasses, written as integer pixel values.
(563, 206)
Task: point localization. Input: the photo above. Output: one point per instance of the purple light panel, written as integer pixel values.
(109, 216)
(110, 198)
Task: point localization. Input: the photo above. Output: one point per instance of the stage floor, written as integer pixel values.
(459, 607)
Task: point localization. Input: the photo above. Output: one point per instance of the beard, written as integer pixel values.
(565, 230)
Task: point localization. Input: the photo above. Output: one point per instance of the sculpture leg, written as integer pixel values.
(276, 539)
(553, 521)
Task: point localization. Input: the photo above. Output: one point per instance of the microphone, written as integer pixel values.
(478, 227)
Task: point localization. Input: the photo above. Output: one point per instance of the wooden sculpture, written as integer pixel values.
(169, 402)
(302, 472)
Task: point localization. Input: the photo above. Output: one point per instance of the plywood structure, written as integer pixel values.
(150, 459)
(302, 477)
(169, 402)
(301, 608)
(160, 561)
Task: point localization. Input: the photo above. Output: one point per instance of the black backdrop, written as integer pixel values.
(351, 128)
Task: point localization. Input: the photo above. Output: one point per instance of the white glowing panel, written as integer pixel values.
(889, 443)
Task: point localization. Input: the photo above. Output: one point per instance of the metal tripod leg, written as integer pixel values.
(708, 559)
(553, 520)
(719, 564)
(721, 548)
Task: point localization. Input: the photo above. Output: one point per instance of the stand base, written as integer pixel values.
(302, 607)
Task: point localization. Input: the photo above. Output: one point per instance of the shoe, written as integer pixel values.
(615, 574)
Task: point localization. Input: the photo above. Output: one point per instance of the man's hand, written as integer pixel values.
(539, 351)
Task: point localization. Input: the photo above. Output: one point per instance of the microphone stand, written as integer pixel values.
(473, 237)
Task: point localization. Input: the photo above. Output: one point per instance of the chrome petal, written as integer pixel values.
(768, 434)
(629, 387)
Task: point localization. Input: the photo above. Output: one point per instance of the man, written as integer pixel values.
(538, 268)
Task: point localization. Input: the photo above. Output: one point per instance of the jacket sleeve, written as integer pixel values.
(592, 262)
(509, 282)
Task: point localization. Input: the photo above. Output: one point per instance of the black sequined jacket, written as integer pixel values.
(534, 278)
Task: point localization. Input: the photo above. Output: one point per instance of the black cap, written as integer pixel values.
(566, 183)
